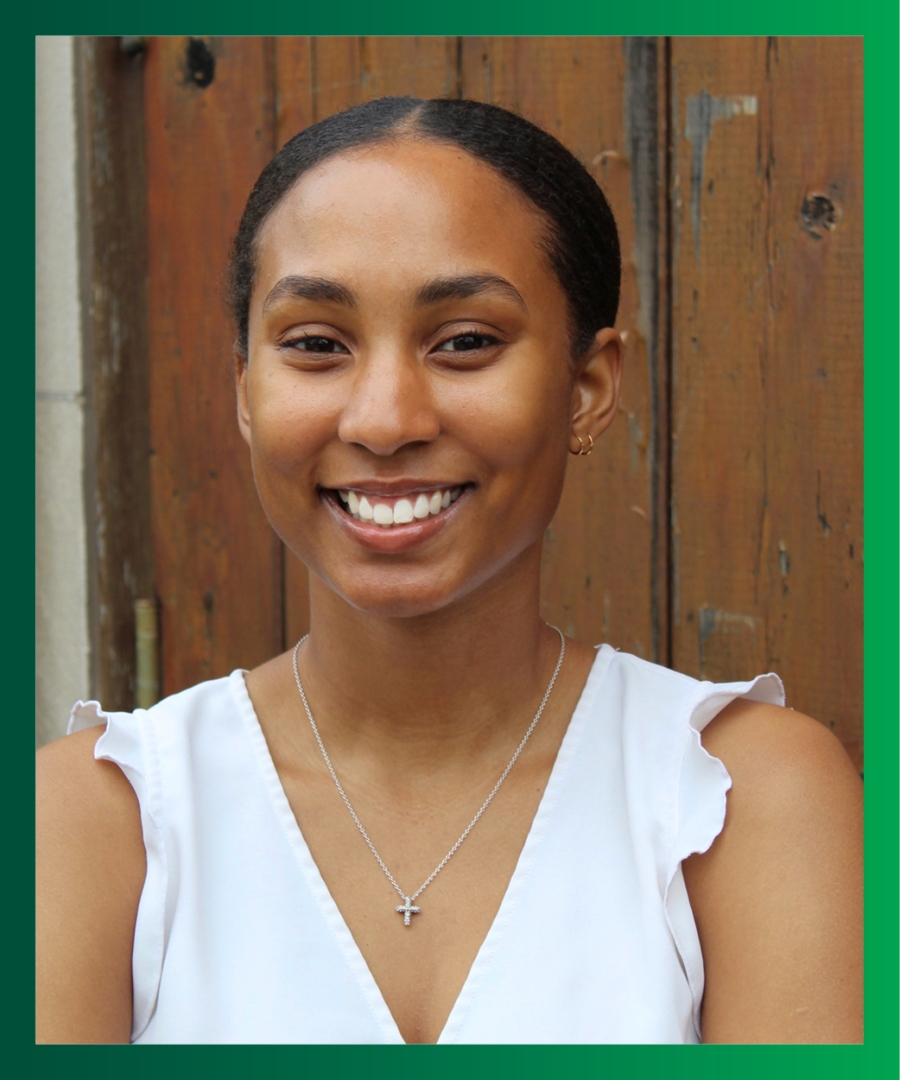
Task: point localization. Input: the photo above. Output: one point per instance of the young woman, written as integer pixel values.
(435, 819)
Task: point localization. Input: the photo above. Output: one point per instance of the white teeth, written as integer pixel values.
(403, 512)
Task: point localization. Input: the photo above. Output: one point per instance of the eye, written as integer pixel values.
(317, 344)
(471, 342)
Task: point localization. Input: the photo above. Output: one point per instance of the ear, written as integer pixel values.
(595, 394)
(243, 394)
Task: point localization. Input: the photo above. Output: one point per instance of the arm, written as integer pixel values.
(90, 868)
(778, 896)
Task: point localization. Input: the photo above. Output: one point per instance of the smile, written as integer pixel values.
(390, 511)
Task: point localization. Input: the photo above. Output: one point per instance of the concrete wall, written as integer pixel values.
(62, 665)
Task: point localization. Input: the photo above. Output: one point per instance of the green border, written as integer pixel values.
(877, 21)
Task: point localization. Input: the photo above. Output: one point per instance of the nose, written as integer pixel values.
(390, 405)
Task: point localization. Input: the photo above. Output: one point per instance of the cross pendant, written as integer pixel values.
(407, 910)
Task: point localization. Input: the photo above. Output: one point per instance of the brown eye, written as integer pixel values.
(468, 343)
(315, 343)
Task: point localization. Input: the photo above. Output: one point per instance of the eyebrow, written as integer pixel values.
(433, 292)
(459, 288)
(311, 288)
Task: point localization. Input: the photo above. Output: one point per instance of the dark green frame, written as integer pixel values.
(877, 21)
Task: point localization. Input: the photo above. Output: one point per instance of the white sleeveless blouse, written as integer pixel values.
(238, 940)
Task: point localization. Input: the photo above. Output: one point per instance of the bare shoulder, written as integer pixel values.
(86, 804)
(67, 768)
(778, 897)
(90, 867)
(783, 756)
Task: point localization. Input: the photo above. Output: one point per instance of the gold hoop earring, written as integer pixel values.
(583, 451)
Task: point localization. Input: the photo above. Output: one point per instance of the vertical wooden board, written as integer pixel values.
(720, 341)
(767, 367)
(816, 386)
(316, 77)
(599, 573)
(217, 562)
(113, 232)
(350, 70)
(294, 81)
(319, 76)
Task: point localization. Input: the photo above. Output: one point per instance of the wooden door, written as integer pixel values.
(727, 545)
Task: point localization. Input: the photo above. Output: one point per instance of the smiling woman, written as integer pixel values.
(425, 295)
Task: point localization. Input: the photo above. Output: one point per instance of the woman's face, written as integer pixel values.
(408, 394)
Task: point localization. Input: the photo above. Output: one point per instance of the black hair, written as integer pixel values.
(582, 242)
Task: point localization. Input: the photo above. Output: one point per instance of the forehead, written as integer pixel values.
(420, 206)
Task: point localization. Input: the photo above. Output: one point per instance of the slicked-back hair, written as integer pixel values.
(581, 240)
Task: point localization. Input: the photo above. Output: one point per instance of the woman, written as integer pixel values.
(436, 819)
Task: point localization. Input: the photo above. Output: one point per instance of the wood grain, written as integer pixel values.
(117, 475)
(603, 578)
(767, 367)
(218, 563)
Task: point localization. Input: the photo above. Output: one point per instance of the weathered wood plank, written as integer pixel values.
(767, 367)
(604, 576)
(317, 77)
(218, 564)
(117, 445)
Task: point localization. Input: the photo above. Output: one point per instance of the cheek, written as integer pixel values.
(519, 416)
(287, 425)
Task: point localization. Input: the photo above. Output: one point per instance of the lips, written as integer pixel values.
(390, 511)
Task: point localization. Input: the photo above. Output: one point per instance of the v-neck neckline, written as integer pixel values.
(524, 864)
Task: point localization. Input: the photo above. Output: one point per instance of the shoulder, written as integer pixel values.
(794, 792)
(780, 761)
(90, 867)
(87, 820)
(75, 791)
(778, 896)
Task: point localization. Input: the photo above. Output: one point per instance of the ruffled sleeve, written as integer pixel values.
(703, 785)
(129, 742)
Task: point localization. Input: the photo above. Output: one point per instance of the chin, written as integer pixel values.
(395, 599)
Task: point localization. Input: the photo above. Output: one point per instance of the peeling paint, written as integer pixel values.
(702, 110)
(637, 438)
(712, 621)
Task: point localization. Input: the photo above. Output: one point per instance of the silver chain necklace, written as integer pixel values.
(407, 908)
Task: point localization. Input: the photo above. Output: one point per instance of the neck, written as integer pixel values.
(449, 682)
